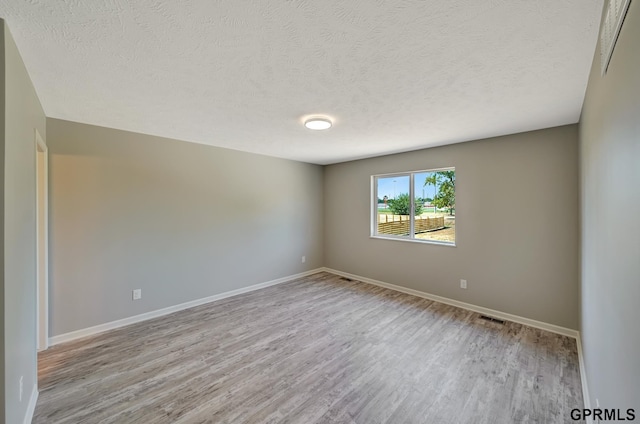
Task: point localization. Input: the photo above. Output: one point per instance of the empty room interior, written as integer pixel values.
(320, 212)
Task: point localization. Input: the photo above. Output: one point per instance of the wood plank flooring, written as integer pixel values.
(316, 350)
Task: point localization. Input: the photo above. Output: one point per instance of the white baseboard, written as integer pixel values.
(73, 335)
(583, 378)
(171, 309)
(28, 417)
(493, 313)
(475, 308)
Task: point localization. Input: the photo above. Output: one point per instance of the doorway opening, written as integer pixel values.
(42, 250)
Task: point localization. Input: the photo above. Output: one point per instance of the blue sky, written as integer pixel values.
(390, 186)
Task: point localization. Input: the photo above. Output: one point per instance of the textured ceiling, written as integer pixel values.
(394, 75)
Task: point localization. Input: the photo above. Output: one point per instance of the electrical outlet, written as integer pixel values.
(463, 284)
(137, 294)
(304, 259)
(21, 388)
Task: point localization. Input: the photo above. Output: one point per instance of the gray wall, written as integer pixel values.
(516, 222)
(2, 143)
(23, 114)
(181, 221)
(610, 177)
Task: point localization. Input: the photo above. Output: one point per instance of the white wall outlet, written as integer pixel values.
(304, 259)
(463, 284)
(21, 387)
(137, 294)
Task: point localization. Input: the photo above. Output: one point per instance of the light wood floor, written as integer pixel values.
(315, 350)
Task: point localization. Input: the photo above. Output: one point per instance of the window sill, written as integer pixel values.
(419, 241)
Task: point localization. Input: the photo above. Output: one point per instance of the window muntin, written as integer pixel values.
(416, 206)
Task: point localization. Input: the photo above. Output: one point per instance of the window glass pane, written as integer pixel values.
(393, 205)
(435, 206)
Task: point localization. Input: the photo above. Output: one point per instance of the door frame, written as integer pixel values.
(42, 241)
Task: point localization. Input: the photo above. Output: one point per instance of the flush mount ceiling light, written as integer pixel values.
(318, 123)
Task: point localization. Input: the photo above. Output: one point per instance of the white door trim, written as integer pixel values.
(42, 236)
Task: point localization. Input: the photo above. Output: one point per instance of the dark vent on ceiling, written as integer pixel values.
(487, 318)
(615, 13)
(345, 279)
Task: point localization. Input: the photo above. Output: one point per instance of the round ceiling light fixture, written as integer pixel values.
(318, 123)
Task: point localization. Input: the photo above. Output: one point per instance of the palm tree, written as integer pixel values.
(432, 180)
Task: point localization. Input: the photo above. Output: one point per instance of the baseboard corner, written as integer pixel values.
(583, 374)
(31, 408)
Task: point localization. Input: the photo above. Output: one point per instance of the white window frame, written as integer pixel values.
(374, 208)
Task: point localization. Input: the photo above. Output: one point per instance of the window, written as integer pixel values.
(417, 206)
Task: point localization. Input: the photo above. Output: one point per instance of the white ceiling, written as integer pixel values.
(394, 75)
